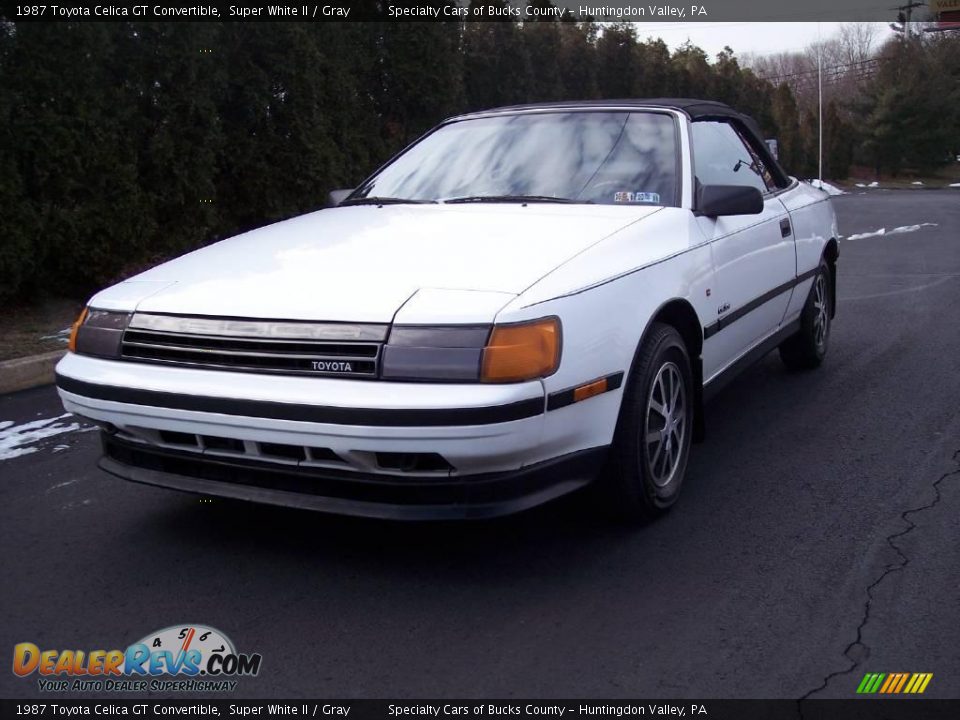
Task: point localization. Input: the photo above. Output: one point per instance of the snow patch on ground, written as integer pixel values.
(16, 440)
(895, 231)
(917, 182)
(73, 505)
(874, 184)
(64, 484)
(954, 185)
(62, 336)
(827, 187)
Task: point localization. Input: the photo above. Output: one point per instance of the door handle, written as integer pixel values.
(785, 228)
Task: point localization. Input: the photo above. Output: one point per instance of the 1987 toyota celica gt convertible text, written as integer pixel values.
(524, 301)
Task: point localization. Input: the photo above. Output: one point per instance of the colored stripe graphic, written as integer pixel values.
(903, 681)
(894, 683)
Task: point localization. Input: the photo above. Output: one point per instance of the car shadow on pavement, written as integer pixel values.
(561, 534)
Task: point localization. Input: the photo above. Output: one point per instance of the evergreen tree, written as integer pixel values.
(172, 79)
(76, 154)
(691, 72)
(616, 60)
(652, 58)
(16, 249)
(577, 61)
(543, 40)
(421, 78)
(496, 61)
(786, 118)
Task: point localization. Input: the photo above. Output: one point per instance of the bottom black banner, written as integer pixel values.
(864, 709)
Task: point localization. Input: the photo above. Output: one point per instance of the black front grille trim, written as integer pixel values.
(286, 356)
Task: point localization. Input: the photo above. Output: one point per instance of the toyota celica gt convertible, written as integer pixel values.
(524, 301)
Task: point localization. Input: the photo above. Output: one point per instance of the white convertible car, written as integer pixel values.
(524, 301)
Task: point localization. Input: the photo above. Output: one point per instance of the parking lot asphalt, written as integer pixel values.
(816, 539)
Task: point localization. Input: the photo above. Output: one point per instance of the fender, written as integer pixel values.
(680, 314)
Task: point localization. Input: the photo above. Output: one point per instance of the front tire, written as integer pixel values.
(651, 445)
(806, 349)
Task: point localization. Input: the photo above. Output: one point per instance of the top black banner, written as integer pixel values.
(700, 11)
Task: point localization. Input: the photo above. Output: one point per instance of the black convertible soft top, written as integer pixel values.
(693, 107)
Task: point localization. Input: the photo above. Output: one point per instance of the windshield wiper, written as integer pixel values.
(510, 199)
(374, 200)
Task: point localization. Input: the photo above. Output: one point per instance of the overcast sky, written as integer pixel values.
(754, 37)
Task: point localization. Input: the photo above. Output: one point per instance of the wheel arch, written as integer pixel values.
(680, 314)
(831, 253)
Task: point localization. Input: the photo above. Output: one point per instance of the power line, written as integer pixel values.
(838, 68)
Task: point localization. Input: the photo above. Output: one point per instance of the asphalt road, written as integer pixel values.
(817, 538)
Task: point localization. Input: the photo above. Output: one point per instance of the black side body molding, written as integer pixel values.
(721, 323)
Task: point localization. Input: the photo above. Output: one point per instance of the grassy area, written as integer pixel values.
(30, 330)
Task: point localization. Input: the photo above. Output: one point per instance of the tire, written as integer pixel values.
(645, 468)
(806, 349)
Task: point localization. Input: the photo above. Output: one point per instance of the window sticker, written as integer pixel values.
(636, 197)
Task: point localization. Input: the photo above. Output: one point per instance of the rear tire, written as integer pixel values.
(806, 349)
(651, 444)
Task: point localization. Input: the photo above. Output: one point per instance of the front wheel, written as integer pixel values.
(651, 445)
(806, 349)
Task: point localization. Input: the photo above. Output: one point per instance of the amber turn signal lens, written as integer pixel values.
(522, 352)
(72, 344)
(597, 387)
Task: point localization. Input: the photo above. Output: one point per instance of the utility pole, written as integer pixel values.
(904, 12)
(820, 104)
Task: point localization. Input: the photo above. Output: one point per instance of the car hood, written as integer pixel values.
(362, 264)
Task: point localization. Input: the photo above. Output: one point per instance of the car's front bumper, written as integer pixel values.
(502, 449)
(349, 493)
(476, 428)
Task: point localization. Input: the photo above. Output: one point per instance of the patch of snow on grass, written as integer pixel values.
(954, 185)
(860, 185)
(895, 231)
(61, 336)
(827, 187)
(874, 184)
(917, 182)
(16, 439)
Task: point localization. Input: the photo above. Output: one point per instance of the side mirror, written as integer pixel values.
(717, 200)
(335, 197)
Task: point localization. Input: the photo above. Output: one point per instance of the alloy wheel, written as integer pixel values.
(821, 309)
(666, 424)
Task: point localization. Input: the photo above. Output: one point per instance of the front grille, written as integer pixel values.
(289, 348)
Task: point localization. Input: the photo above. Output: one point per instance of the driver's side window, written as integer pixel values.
(721, 157)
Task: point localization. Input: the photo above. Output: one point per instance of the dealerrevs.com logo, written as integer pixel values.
(187, 658)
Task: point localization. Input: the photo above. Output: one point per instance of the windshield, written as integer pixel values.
(587, 156)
